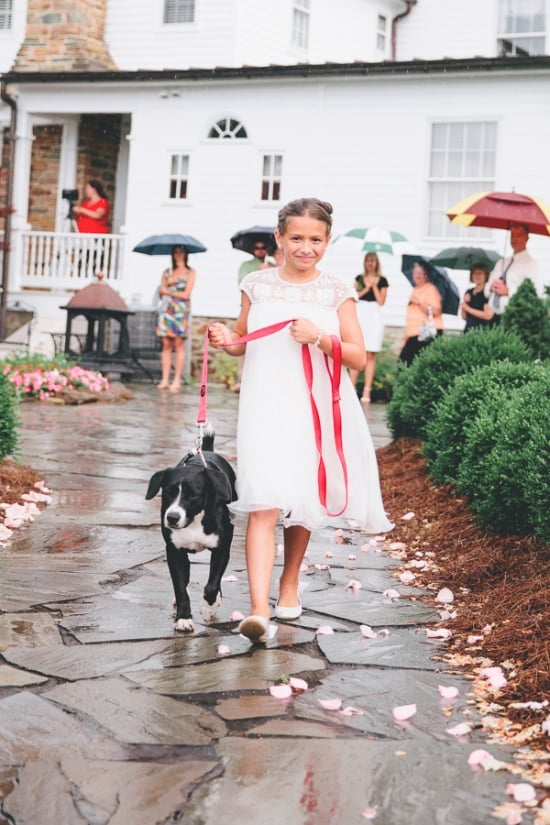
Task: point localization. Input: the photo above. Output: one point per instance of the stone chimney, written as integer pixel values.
(64, 36)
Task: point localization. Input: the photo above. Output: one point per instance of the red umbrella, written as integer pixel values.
(497, 210)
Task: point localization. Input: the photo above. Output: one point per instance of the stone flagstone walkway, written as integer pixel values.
(108, 718)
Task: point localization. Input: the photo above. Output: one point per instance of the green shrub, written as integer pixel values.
(504, 469)
(453, 416)
(527, 316)
(419, 387)
(8, 416)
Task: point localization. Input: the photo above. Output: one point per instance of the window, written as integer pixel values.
(300, 24)
(6, 8)
(272, 168)
(179, 177)
(522, 27)
(381, 33)
(462, 162)
(179, 11)
(227, 128)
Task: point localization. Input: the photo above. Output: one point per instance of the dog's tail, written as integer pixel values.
(208, 438)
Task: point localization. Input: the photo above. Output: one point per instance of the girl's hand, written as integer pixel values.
(219, 335)
(304, 331)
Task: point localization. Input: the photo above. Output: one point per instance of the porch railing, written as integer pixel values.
(69, 260)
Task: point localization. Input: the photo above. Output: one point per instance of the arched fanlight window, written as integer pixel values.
(227, 128)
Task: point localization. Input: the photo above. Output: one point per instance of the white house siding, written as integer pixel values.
(360, 142)
(11, 39)
(448, 28)
(244, 32)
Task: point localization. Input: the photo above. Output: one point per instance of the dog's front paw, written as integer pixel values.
(184, 625)
(208, 611)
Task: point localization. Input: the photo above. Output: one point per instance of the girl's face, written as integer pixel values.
(303, 243)
(478, 277)
(370, 263)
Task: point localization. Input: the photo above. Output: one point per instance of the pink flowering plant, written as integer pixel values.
(36, 376)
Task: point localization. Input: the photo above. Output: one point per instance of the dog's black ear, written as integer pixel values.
(155, 483)
(220, 484)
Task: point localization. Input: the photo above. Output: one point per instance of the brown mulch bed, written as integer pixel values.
(499, 581)
(15, 480)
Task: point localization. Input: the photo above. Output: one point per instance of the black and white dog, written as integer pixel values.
(194, 516)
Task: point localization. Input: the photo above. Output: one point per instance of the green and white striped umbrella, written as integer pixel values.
(378, 239)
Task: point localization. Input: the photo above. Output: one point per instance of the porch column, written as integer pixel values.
(21, 180)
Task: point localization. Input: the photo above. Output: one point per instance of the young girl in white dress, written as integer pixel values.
(277, 459)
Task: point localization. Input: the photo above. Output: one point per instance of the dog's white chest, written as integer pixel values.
(193, 536)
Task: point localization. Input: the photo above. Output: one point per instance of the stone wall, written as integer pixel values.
(66, 36)
(98, 145)
(46, 149)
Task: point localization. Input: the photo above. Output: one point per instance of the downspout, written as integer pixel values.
(395, 21)
(7, 210)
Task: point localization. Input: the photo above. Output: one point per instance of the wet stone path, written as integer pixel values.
(109, 718)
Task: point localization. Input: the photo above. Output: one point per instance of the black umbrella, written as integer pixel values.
(163, 244)
(448, 290)
(246, 238)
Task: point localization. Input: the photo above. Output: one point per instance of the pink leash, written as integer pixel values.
(334, 376)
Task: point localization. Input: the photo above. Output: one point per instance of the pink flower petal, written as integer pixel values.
(324, 630)
(407, 577)
(298, 685)
(447, 692)
(329, 555)
(494, 676)
(349, 710)
(281, 691)
(444, 615)
(521, 791)
(471, 640)
(230, 579)
(367, 632)
(445, 596)
(331, 704)
(318, 567)
(380, 538)
(365, 548)
(351, 557)
(440, 633)
(353, 584)
(403, 712)
(236, 616)
(304, 568)
(384, 633)
(407, 516)
(223, 650)
(368, 813)
(477, 757)
(462, 729)
(391, 594)
(398, 545)
(487, 629)
(545, 726)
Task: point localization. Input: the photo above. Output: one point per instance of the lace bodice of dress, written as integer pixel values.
(326, 290)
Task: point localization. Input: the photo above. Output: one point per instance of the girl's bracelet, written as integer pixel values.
(317, 341)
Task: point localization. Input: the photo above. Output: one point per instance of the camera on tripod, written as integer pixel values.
(70, 195)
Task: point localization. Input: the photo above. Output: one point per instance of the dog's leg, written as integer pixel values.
(212, 596)
(178, 564)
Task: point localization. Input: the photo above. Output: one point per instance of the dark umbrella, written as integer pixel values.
(246, 238)
(448, 290)
(465, 257)
(163, 244)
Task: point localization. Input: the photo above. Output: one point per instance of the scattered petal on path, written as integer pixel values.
(223, 650)
(236, 616)
(445, 596)
(349, 710)
(352, 557)
(462, 729)
(230, 579)
(369, 813)
(391, 594)
(383, 633)
(298, 685)
(367, 632)
(407, 516)
(329, 555)
(471, 640)
(447, 692)
(353, 584)
(398, 545)
(324, 630)
(403, 712)
(365, 548)
(280, 691)
(521, 791)
(494, 676)
(331, 704)
(407, 577)
(440, 633)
